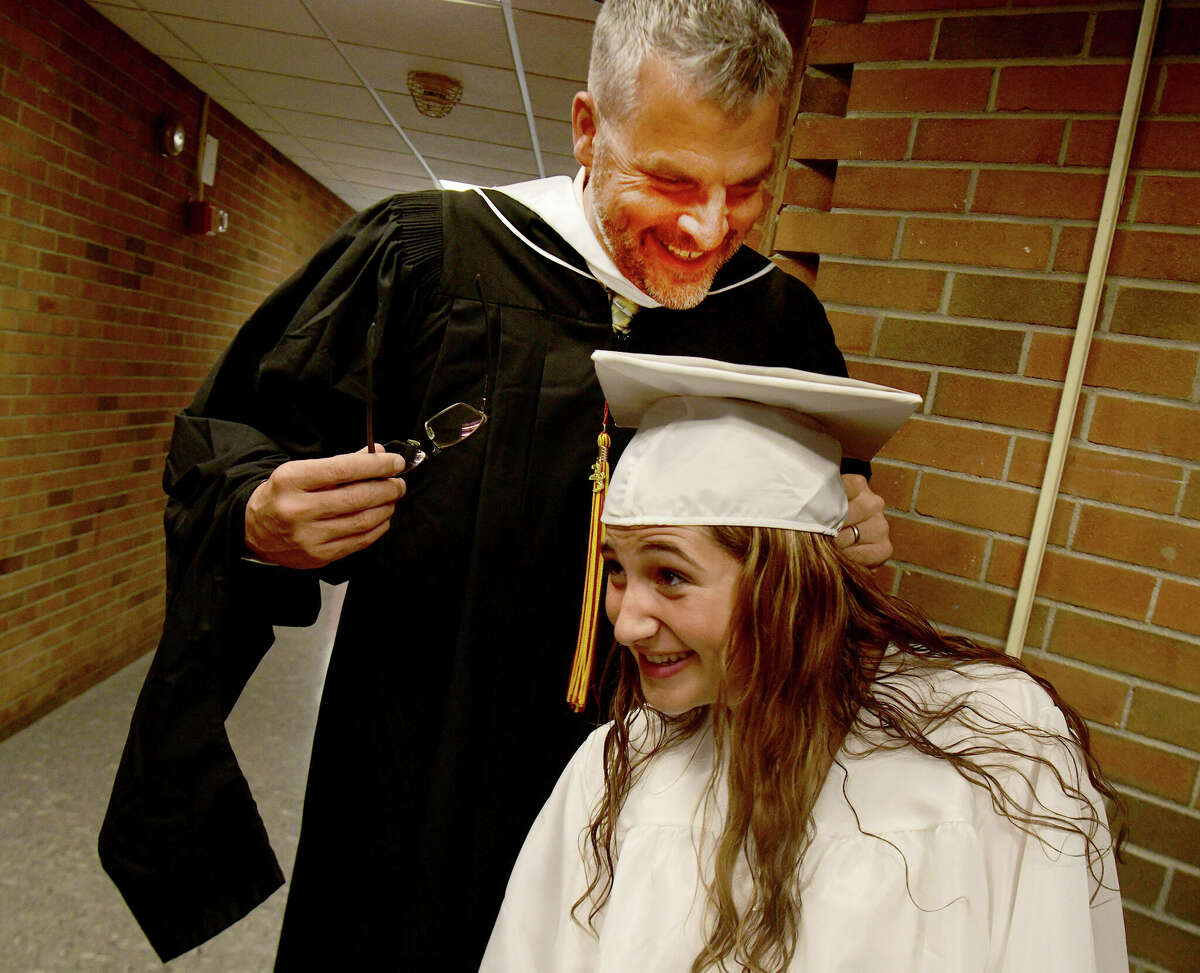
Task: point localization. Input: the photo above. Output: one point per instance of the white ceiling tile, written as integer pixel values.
(580, 9)
(289, 145)
(467, 121)
(359, 197)
(254, 116)
(382, 180)
(552, 97)
(269, 65)
(553, 46)
(147, 31)
(554, 136)
(302, 94)
(378, 135)
(480, 175)
(560, 165)
(459, 172)
(280, 15)
(397, 159)
(481, 153)
(483, 86)
(262, 50)
(316, 168)
(457, 31)
(207, 78)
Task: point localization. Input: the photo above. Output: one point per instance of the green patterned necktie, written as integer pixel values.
(623, 310)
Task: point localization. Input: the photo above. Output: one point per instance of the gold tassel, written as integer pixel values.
(581, 668)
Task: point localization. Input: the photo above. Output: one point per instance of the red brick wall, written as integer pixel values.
(947, 168)
(110, 315)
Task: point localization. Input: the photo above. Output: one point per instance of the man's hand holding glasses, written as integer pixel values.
(312, 512)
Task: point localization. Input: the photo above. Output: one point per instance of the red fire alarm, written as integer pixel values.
(204, 219)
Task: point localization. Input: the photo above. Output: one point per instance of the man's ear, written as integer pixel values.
(583, 128)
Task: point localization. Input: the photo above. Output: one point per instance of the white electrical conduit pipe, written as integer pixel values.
(437, 183)
(510, 24)
(1084, 327)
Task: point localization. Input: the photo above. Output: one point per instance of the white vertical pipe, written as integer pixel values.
(1084, 327)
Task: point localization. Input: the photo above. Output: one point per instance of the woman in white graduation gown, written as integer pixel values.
(801, 773)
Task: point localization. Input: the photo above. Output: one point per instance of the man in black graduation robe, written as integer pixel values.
(442, 724)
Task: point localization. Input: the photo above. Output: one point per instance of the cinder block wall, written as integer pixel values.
(946, 174)
(110, 315)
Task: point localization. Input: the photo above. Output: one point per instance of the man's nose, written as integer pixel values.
(707, 223)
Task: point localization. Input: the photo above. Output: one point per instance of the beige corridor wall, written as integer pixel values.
(946, 173)
(110, 315)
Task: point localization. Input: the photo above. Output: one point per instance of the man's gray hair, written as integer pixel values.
(734, 50)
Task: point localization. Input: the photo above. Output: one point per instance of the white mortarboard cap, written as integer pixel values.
(740, 445)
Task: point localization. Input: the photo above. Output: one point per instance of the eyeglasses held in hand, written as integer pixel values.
(444, 429)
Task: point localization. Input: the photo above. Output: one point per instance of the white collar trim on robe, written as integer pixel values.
(559, 201)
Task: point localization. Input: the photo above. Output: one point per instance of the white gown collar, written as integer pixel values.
(559, 201)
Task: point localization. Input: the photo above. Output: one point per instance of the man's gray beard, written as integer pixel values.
(627, 258)
(679, 297)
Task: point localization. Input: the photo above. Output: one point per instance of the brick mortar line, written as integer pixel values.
(1158, 858)
(1164, 917)
(1146, 627)
(1130, 680)
(1164, 518)
(63, 637)
(1160, 802)
(941, 164)
(1145, 397)
(979, 270)
(1174, 229)
(1038, 436)
(39, 690)
(914, 517)
(80, 611)
(99, 554)
(1095, 559)
(936, 317)
(1154, 743)
(985, 640)
(152, 503)
(59, 632)
(1009, 456)
(117, 546)
(1164, 891)
(1006, 115)
(1145, 966)
(1027, 336)
(1001, 63)
(1126, 708)
(1110, 7)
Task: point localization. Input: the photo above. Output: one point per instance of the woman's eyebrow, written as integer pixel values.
(669, 547)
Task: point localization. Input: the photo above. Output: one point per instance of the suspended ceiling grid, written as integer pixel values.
(276, 65)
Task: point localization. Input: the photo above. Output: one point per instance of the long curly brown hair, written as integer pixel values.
(802, 669)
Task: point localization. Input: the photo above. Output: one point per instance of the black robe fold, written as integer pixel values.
(443, 723)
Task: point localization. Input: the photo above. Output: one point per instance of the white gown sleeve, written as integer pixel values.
(1049, 912)
(535, 932)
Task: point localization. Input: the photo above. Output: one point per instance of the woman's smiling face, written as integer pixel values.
(670, 598)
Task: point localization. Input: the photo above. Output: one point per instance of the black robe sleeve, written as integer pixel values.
(182, 837)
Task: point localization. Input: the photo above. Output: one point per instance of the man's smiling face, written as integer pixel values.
(674, 187)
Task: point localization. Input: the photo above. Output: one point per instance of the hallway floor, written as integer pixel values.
(58, 910)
